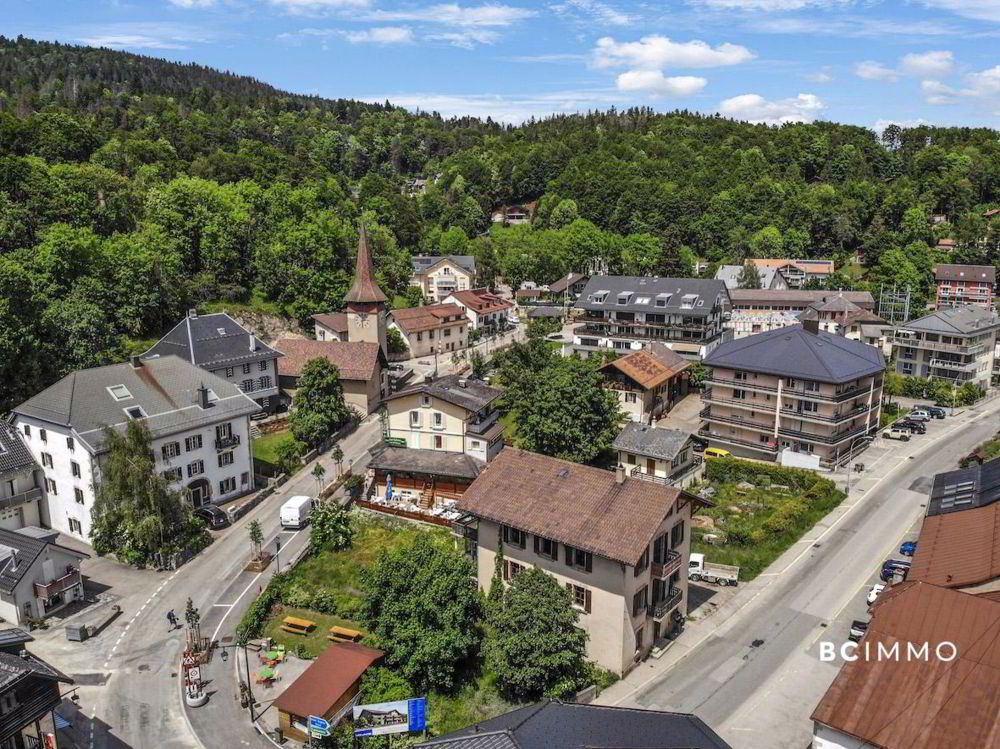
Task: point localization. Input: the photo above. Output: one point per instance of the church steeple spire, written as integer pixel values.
(365, 289)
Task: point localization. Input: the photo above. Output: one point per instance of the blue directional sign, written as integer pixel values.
(417, 711)
(319, 724)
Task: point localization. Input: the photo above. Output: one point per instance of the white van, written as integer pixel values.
(295, 512)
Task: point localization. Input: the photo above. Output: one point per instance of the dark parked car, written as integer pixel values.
(917, 427)
(908, 549)
(892, 567)
(936, 411)
(214, 517)
(858, 629)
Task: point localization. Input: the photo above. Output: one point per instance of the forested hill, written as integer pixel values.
(132, 189)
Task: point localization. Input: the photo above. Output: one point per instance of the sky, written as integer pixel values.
(865, 62)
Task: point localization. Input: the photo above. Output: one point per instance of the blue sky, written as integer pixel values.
(866, 62)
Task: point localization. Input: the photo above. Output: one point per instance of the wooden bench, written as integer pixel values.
(297, 626)
(343, 634)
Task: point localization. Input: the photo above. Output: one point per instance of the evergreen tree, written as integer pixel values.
(749, 277)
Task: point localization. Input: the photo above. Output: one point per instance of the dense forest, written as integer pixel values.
(132, 188)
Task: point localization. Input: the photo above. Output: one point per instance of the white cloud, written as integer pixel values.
(503, 107)
(986, 82)
(938, 93)
(466, 39)
(982, 10)
(654, 83)
(768, 5)
(186, 4)
(381, 35)
(881, 125)
(598, 11)
(317, 7)
(854, 26)
(757, 109)
(874, 71)
(140, 35)
(820, 76)
(928, 64)
(657, 52)
(453, 14)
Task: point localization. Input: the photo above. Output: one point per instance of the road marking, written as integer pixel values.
(222, 605)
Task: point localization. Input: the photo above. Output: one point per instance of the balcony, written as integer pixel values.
(794, 392)
(768, 408)
(970, 349)
(962, 366)
(770, 447)
(466, 527)
(484, 424)
(224, 443)
(670, 565)
(53, 588)
(660, 609)
(20, 498)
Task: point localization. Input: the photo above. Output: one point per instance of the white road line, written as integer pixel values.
(222, 605)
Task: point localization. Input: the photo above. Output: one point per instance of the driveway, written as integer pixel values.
(684, 415)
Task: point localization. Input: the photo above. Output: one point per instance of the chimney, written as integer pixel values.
(135, 361)
(811, 326)
(462, 382)
(620, 474)
(203, 396)
(253, 347)
(13, 560)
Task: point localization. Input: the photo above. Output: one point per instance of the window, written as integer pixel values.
(642, 564)
(414, 418)
(226, 459)
(247, 386)
(265, 402)
(630, 397)
(677, 535)
(50, 486)
(810, 406)
(420, 337)
(581, 597)
(245, 478)
(70, 444)
(438, 442)
(196, 468)
(46, 460)
(227, 485)
(741, 376)
(171, 450)
(75, 468)
(447, 332)
(430, 335)
(474, 444)
(229, 372)
(512, 569)
(582, 560)
(262, 366)
(43, 435)
(193, 442)
(119, 392)
(173, 474)
(27, 430)
(789, 382)
(546, 547)
(78, 495)
(630, 459)
(75, 527)
(514, 537)
(246, 369)
(264, 382)
(739, 394)
(224, 431)
(425, 400)
(135, 412)
(438, 419)
(640, 600)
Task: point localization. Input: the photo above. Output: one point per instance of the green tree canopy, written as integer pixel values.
(318, 407)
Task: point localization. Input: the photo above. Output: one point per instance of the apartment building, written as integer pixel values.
(752, 322)
(792, 300)
(20, 482)
(955, 344)
(620, 546)
(797, 390)
(485, 310)
(964, 284)
(647, 383)
(199, 422)
(796, 273)
(439, 276)
(433, 329)
(626, 313)
(225, 348)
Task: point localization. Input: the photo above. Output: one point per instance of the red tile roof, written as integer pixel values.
(429, 317)
(651, 366)
(355, 360)
(335, 321)
(321, 686)
(959, 549)
(922, 704)
(365, 289)
(481, 300)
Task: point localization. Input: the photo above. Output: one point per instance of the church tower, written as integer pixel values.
(365, 300)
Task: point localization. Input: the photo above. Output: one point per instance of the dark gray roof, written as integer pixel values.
(563, 282)
(474, 396)
(14, 636)
(422, 262)
(14, 454)
(793, 351)
(28, 550)
(558, 725)
(544, 311)
(430, 462)
(638, 438)
(703, 294)
(950, 272)
(165, 388)
(212, 342)
(969, 319)
(16, 663)
(965, 488)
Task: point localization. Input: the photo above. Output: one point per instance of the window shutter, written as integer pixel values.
(569, 555)
(555, 552)
(506, 569)
(586, 600)
(536, 544)
(590, 561)
(569, 587)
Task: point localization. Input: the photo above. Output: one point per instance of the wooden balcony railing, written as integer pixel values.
(660, 609)
(54, 587)
(663, 570)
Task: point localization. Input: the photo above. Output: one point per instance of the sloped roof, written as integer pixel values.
(166, 389)
(676, 291)
(14, 454)
(650, 366)
(967, 319)
(481, 300)
(560, 725)
(641, 439)
(959, 549)
(428, 317)
(570, 503)
(356, 360)
(545, 311)
(916, 703)
(952, 272)
(211, 342)
(965, 488)
(429, 462)
(805, 297)
(730, 276)
(28, 549)
(327, 679)
(424, 263)
(564, 282)
(473, 396)
(793, 351)
(365, 288)
(335, 321)
(810, 266)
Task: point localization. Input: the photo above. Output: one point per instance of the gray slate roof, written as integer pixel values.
(545, 311)
(14, 454)
(564, 282)
(165, 388)
(28, 550)
(212, 342)
(965, 488)
(422, 262)
(730, 276)
(430, 462)
(641, 439)
(792, 351)
(14, 667)
(475, 396)
(558, 725)
(969, 319)
(706, 290)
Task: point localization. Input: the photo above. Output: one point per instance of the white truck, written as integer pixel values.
(720, 574)
(295, 512)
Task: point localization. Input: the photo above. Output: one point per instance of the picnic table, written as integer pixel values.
(273, 656)
(297, 626)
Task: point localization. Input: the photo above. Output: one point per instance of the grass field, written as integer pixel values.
(476, 701)
(257, 305)
(315, 642)
(266, 446)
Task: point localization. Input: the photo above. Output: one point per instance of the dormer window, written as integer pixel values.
(220, 331)
(119, 392)
(662, 299)
(135, 412)
(624, 297)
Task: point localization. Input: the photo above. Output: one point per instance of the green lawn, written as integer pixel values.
(257, 305)
(266, 446)
(315, 642)
(472, 703)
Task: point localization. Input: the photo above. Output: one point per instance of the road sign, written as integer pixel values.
(390, 717)
(319, 724)
(319, 733)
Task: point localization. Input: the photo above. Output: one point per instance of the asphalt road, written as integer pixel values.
(757, 678)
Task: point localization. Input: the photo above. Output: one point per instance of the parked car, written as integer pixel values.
(897, 433)
(698, 445)
(717, 452)
(916, 427)
(858, 629)
(296, 511)
(874, 592)
(214, 517)
(908, 549)
(893, 567)
(936, 411)
(919, 414)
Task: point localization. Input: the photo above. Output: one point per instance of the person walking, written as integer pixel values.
(172, 618)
